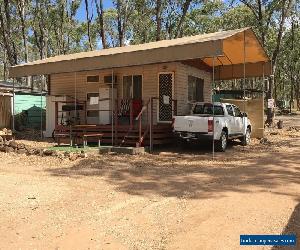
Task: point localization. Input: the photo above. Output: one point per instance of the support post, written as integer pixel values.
(42, 108)
(75, 99)
(213, 103)
(112, 106)
(151, 124)
(56, 114)
(131, 114)
(13, 107)
(244, 84)
(116, 120)
(269, 96)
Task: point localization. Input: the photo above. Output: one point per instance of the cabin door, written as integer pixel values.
(165, 92)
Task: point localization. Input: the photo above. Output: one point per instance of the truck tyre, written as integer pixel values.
(181, 143)
(221, 144)
(246, 138)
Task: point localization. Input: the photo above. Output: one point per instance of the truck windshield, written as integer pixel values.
(207, 109)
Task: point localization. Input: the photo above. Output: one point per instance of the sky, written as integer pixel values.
(81, 11)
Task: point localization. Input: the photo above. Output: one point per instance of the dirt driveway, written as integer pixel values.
(165, 201)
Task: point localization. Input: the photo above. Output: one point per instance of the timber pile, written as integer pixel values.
(20, 148)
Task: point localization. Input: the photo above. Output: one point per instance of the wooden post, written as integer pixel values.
(13, 107)
(113, 107)
(151, 125)
(56, 114)
(131, 114)
(140, 130)
(116, 119)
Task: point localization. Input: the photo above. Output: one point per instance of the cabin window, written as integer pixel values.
(92, 79)
(91, 98)
(229, 110)
(132, 87)
(92, 113)
(108, 79)
(195, 89)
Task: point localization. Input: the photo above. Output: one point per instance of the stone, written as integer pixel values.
(82, 155)
(73, 157)
(67, 154)
(31, 151)
(22, 151)
(265, 141)
(12, 144)
(21, 146)
(48, 152)
(9, 149)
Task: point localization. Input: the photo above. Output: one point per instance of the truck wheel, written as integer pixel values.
(246, 138)
(221, 144)
(181, 143)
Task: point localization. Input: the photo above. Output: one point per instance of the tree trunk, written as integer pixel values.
(100, 12)
(120, 25)
(5, 29)
(88, 19)
(158, 10)
(185, 9)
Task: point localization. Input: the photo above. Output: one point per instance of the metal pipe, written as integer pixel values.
(13, 108)
(42, 107)
(75, 99)
(213, 92)
(151, 127)
(244, 83)
(112, 106)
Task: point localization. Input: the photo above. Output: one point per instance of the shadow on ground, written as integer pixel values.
(293, 227)
(192, 174)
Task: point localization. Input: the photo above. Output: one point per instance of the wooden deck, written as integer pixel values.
(140, 131)
(123, 135)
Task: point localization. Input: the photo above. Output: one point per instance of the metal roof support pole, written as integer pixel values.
(213, 99)
(263, 83)
(112, 106)
(13, 107)
(244, 84)
(42, 107)
(75, 99)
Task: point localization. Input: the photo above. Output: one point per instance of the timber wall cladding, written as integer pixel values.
(5, 111)
(255, 110)
(181, 90)
(64, 83)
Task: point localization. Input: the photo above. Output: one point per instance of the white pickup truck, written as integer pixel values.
(219, 122)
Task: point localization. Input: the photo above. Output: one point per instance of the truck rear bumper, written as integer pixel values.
(194, 136)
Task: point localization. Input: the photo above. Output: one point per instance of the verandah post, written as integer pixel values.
(151, 124)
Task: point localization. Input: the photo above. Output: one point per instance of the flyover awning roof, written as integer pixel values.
(226, 46)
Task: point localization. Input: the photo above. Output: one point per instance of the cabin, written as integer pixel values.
(130, 94)
(22, 101)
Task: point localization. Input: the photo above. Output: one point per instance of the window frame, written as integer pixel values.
(234, 108)
(115, 78)
(231, 110)
(131, 91)
(94, 106)
(188, 88)
(86, 78)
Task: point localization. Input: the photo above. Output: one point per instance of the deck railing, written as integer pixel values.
(139, 118)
